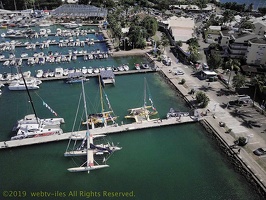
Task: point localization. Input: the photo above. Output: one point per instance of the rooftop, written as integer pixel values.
(68, 10)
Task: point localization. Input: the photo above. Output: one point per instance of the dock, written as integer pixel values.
(99, 131)
(6, 82)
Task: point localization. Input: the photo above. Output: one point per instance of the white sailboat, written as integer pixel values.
(145, 112)
(90, 163)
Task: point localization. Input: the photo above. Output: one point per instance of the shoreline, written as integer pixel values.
(208, 124)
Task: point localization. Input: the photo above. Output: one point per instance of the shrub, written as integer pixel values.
(182, 81)
(202, 99)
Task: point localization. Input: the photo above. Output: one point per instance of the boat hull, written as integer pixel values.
(89, 168)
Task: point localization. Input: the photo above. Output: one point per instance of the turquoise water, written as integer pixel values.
(175, 162)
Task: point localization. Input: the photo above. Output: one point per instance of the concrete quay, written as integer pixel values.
(98, 131)
(252, 167)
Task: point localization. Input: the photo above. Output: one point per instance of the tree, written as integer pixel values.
(202, 99)
(164, 41)
(151, 25)
(228, 16)
(232, 64)
(194, 55)
(179, 43)
(215, 60)
(257, 82)
(137, 36)
(247, 25)
(239, 81)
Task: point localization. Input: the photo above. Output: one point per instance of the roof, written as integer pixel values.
(210, 73)
(181, 27)
(181, 22)
(75, 10)
(182, 34)
(107, 74)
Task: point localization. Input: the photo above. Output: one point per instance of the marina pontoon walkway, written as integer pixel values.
(96, 131)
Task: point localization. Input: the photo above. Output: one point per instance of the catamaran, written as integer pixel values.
(103, 117)
(32, 126)
(145, 112)
(87, 148)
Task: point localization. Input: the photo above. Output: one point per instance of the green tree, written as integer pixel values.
(193, 42)
(179, 43)
(151, 25)
(202, 99)
(238, 81)
(259, 83)
(215, 60)
(137, 36)
(247, 25)
(232, 64)
(194, 55)
(164, 41)
(228, 16)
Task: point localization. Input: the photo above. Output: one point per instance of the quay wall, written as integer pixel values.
(235, 160)
(233, 157)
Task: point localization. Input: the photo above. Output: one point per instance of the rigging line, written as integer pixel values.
(45, 103)
(74, 124)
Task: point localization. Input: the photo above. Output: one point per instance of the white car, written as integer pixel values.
(179, 72)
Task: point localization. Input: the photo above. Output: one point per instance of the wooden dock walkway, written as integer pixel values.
(97, 131)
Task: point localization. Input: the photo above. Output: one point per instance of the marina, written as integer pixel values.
(148, 144)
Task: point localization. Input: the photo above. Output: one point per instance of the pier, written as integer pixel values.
(7, 82)
(99, 131)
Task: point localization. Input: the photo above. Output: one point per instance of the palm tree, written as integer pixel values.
(232, 65)
(257, 82)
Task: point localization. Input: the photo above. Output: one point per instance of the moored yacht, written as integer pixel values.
(32, 119)
(18, 85)
(36, 130)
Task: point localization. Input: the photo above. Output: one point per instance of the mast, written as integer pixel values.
(85, 107)
(144, 92)
(31, 102)
(89, 153)
(101, 95)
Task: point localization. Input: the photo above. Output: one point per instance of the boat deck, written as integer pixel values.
(98, 131)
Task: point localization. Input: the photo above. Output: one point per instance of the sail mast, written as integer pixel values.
(101, 95)
(144, 92)
(31, 102)
(89, 153)
(85, 106)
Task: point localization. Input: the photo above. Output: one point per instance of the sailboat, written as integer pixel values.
(87, 148)
(98, 149)
(145, 112)
(32, 126)
(103, 117)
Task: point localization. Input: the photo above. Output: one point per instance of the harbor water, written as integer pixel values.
(175, 162)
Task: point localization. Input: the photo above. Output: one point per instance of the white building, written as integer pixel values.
(256, 52)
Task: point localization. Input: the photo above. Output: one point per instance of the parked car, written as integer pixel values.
(260, 151)
(223, 79)
(179, 72)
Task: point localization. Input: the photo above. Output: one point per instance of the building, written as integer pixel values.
(256, 51)
(192, 8)
(181, 29)
(79, 11)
